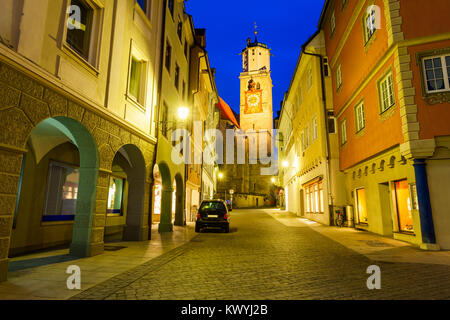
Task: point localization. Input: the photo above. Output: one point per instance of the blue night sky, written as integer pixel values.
(283, 25)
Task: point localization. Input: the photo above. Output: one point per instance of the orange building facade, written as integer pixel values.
(390, 63)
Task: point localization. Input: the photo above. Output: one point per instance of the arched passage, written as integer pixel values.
(126, 218)
(165, 224)
(56, 200)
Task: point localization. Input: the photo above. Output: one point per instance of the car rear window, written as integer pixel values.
(219, 206)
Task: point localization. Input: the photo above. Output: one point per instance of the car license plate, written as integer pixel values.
(213, 216)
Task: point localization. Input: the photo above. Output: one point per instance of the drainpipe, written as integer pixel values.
(161, 69)
(425, 212)
(327, 142)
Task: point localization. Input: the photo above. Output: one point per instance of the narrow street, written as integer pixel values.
(264, 257)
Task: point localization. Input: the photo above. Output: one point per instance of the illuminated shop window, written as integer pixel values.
(62, 192)
(361, 206)
(314, 201)
(115, 196)
(404, 206)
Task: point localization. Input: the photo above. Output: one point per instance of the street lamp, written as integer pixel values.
(183, 113)
(273, 180)
(285, 164)
(221, 177)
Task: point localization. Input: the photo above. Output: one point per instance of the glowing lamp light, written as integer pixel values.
(273, 180)
(285, 164)
(183, 113)
(220, 175)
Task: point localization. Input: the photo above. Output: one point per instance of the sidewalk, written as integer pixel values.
(43, 275)
(371, 245)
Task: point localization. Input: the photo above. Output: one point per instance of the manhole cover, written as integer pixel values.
(114, 248)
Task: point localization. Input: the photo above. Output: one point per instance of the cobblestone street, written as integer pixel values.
(262, 258)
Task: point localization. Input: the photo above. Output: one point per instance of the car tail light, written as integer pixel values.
(199, 215)
(225, 216)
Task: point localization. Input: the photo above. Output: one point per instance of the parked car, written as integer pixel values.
(213, 214)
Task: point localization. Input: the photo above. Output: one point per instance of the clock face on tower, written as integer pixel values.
(253, 102)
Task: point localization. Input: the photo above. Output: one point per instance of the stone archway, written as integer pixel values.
(165, 224)
(69, 192)
(126, 193)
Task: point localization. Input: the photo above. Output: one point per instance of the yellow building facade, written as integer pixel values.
(309, 157)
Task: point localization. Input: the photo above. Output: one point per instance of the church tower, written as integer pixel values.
(256, 112)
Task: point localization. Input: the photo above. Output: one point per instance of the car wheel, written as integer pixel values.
(197, 228)
(227, 229)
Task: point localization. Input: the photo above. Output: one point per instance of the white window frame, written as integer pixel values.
(343, 128)
(333, 23)
(387, 92)
(445, 73)
(338, 77)
(93, 55)
(360, 118)
(309, 78)
(315, 129)
(141, 58)
(369, 30)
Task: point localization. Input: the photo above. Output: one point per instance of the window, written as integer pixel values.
(177, 76)
(344, 3)
(386, 92)
(168, 56)
(369, 25)
(338, 77)
(137, 79)
(361, 207)
(314, 199)
(180, 30)
(184, 90)
(62, 193)
(437, 73)
(331, 125)
(326, 67)
(79, 31)
(306, 138)
(145, 6)
(115, 196)
(309, 79)
(171, 4)
(403, 206)
(344, 132)
(360, 120)
(164, 120)
(315, 129)
(185, 48)
(333, 23)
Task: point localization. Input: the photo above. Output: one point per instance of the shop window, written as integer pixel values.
(361, 206)
(115, 196)
(404, 206)
(62, 193)
(314, 197)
